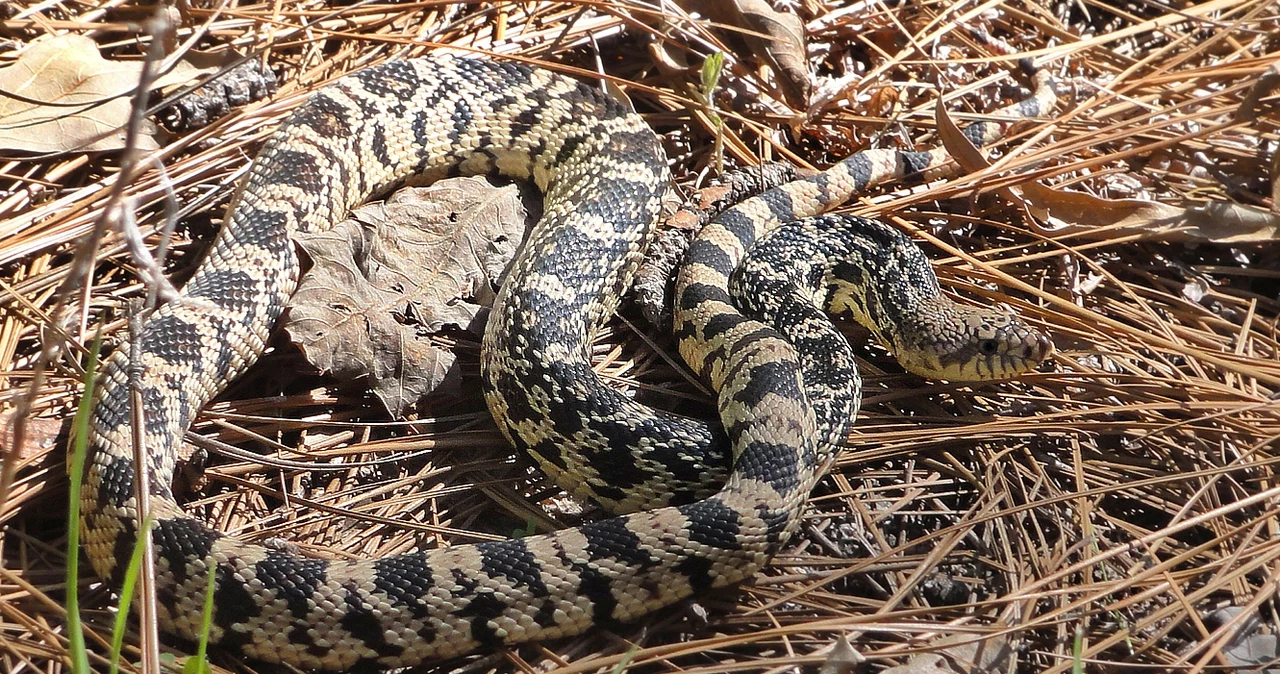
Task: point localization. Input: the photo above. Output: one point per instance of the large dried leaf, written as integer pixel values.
(386, 280)
(39, 436)
(1266, 84)
(62, 96)
(1069, 213)
(1258, 653)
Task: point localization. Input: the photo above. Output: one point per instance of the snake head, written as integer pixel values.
(963, 343)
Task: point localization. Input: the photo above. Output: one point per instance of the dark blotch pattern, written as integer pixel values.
(393, 80)
(570, 146)
(776, 522)
(721, 324)
(123, 550)
(611, 539)
(512, 560)
(714, 524)
(775, 465)
(115, 486)
(697, 293)
(598, 589)
(233, 605)
(978, 132)
(779, 203)
(227, 287)
(766, 378)
(860, 169)
(180, 540)
(405, 579)
(914, 164)
(378, 144)
(709, 254)
(363, 624)
(738, 224)
(462, 120)
(698, 571)
(296, 579)
(322, 114)
(172, 339)
(298, 169)
(482, 608)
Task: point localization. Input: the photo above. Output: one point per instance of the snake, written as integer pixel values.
(696, 504)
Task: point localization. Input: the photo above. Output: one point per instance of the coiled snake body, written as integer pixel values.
(603, 174)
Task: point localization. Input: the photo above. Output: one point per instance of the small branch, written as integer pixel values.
(158, 287)
(142, 491)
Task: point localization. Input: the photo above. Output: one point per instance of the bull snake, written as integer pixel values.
(703, 516)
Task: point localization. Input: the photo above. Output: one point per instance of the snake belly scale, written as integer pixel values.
(603, 174)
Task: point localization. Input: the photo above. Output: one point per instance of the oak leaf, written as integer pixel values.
(386, 282)
(62, 96)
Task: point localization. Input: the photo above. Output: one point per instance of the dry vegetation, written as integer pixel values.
(1097, 513)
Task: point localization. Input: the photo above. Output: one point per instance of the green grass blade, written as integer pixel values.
(80, 447)
(199, 663)
(712, 68)
(126, 594)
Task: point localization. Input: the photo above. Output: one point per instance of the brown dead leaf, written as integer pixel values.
(776, 37)
(961, 654)
(883, 101)
(1069, 213)
(383, 282)
(62, 96)
(39, 436)
(843, 658)
(1248, 111)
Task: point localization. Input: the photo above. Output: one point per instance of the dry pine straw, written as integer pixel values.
(1110, 501)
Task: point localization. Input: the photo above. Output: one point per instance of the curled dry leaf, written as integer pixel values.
(1249, 649)
(1083, 215)
(386, 280)
(777, 37)
(1254, 653)
(884, 101)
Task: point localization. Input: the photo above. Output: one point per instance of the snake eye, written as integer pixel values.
(989, 347)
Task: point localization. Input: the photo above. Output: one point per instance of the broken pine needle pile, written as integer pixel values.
(1116, 509)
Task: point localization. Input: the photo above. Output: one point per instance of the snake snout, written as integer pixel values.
(1025, 348)
(1039, 347)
